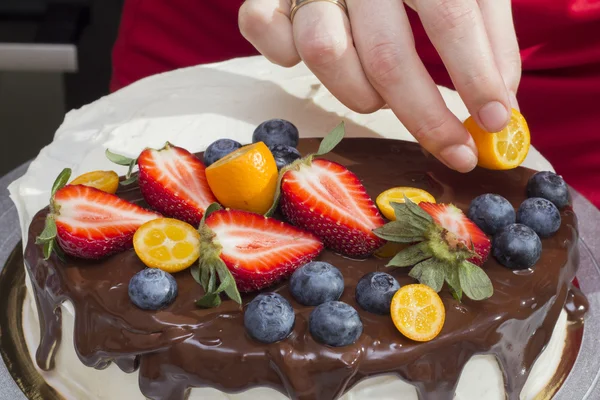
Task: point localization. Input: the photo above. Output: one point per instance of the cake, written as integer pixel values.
(86, 317)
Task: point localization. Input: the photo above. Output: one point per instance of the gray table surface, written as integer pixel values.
(582, 383)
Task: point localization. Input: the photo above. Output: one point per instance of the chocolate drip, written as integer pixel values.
(182, 346)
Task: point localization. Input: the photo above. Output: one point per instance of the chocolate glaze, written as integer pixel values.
(183, 346)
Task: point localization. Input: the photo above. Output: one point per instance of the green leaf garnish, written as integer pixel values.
(331, 140)
(210, 267)
(125, 161)
(451, 273)
(410, 256)
(474, 281)
(429, 272)
(328, 143)
(438, 257)
(400, 232)
(49, 232)
(61, 181)
(47, 239)
(118, 158)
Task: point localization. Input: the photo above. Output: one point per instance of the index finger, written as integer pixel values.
(456, 29)
(384, 42)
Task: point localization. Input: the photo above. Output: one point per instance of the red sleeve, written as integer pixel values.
(161, 35)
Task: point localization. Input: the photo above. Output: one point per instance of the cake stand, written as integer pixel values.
(583, 382)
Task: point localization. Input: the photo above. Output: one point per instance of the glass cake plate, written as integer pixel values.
(19, 379)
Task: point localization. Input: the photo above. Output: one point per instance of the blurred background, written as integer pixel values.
(55, 55)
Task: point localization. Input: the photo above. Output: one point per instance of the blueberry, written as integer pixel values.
(374, 292)
(335, 324)
(152, 289)
(269, 318)
(540, 215)
(491, 212)
(284, 154)
(549, 186)
(276, 131)
(517, 246)
(316, 283)
(219, 149)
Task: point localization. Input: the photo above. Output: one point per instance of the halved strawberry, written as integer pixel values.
(258, 251)
(451, 218)
(445, 247)
(173, 182)
(90, 223)
(325, 198)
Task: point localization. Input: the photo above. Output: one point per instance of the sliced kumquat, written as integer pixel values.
(245, 179)
(167, 244)
(502, 150)
(107, 181)
(396, 195)
(418, 312)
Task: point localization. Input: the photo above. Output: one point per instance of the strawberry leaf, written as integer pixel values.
(125, 161)
(410, 256)
(429, 272)
(47, 249)
(49, 232)
(48, 236)
(119, 159)
(328, 143)
(61, 181)
(451, 277)
(129, 181)
(331, 140)
(474, 281)
(210, 300)
(228, 283)
(195, 271)
(209, 210)
(400, 232)
(210, 267)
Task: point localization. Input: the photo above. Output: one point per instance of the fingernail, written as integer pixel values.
(459, 157)
(493, 116)
(513, 101)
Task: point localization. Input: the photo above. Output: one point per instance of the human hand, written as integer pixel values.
(368, 59)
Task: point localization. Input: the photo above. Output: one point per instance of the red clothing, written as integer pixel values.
(560, 48)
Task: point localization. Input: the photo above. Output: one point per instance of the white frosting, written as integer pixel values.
(191, 108)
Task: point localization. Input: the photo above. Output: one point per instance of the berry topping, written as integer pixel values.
(453, 220)
(168, 244)
(548, 185)
(89, 223)
(107, 181)
(539, 214)
(173, 182)
(491, 213)
(316, 282)
(219, 149)
(396, 195)
(245, 179)
(328, 200)
(506, 149)
(374, 292)
(418, 312)
(284, 155)
(335, 324)
(276, 131)
(269, 318)
(517, 247)
(254, 250)
(152, 289)
(448, 246)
